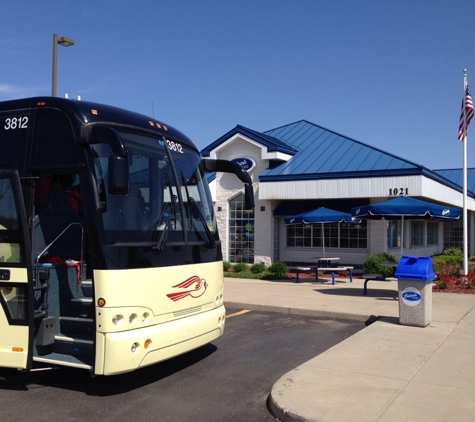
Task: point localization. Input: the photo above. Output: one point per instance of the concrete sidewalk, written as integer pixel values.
(386, 372)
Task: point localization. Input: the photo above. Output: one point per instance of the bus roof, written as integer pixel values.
(84, 112)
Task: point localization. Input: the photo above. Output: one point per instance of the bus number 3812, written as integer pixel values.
(12, 123)
(175, 146)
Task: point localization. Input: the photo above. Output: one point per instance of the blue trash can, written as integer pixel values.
(415, 275)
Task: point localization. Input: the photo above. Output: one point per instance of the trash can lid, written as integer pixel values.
(415, 268)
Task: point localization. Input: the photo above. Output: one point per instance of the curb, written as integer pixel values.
(303, 312)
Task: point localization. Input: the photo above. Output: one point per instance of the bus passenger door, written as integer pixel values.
(16, 288)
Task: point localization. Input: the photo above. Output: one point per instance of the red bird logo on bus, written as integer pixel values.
(199, 287)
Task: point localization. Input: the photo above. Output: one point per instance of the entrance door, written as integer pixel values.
(241, 232)
(16, 288)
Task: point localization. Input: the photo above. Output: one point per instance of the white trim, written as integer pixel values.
(371, 187)
(265, 154)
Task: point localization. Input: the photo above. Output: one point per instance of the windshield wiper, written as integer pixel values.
(166, 225)
(197, 210)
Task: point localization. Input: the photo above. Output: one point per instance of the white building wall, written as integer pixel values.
(228, 186)
(264, 235)
(380, 187)
(342, 188)
(212, 188)
(377, 236)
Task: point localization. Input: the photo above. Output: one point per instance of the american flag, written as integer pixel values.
(465, 120)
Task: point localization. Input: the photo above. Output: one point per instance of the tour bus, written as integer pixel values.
(110, 259)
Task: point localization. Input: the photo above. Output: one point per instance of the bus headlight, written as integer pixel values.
(117, 319)
(134, 347)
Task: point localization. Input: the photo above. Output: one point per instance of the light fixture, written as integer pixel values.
(65, 42)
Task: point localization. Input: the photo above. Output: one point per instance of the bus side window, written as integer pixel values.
(43, 184)
(53, 140)
(65, 183)
(9, 252)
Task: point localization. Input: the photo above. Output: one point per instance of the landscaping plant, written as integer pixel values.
(372, 264)
(279, 269)
(240, 267)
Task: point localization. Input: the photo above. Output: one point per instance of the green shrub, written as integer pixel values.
(278, 269)
(453, 252)
(226, 265)
(372, 265)
(240, 267)
(447, 264)
(258, 268)
(438, 264)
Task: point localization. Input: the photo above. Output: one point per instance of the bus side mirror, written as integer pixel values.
(118, 175)
(248, 197)
(226, 166)
(97, 134)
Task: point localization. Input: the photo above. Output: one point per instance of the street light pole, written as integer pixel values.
(65, 42)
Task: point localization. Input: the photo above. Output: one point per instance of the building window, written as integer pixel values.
(335, 235)
(453, 234)
(354, 236)
(432, 233)
(299, 235)
(241, 231)
(417, 233)
(394, 233)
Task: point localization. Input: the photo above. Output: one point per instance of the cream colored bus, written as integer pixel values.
(110, 258)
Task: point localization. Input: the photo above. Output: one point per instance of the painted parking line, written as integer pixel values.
(244, 311)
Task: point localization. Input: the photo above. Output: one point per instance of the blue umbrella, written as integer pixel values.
(404, 206)
(321, 215)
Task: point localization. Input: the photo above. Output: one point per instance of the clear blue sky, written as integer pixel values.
(387, 73)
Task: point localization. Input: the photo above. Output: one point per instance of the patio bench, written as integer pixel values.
(334, 270)
(375, 277)
(299, 270)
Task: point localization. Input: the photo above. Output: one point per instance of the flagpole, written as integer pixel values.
(465, 220)
(402, 235)
(323, 239)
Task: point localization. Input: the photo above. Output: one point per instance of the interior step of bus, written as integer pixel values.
(82, 306)
(66, 360)
(76, 346)
(86, 287)
(66, 333)
(71, 336)
(75, 325)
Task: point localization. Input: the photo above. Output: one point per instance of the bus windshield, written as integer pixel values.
(167, 199)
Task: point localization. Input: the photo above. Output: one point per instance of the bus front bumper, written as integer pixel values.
(129, 350)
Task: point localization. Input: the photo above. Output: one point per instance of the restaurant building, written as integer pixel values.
(302, 166)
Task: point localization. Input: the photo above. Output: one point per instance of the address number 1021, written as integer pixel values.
(398, 191)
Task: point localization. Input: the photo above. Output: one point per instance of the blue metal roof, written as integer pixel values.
(456, 176)
(323, 153)
(319, 153)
